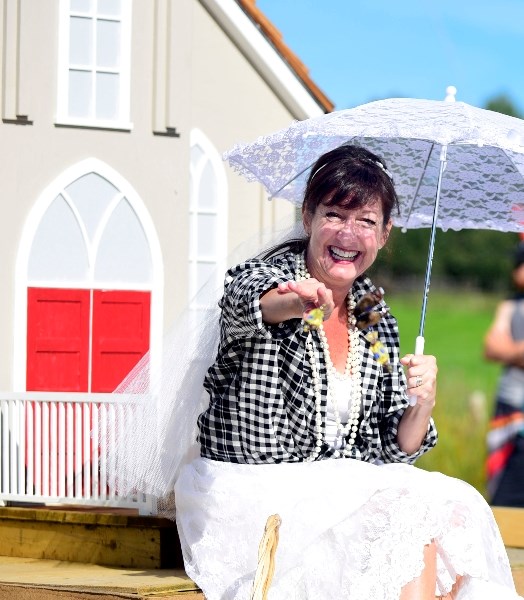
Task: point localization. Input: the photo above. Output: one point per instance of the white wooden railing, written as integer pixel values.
(50, 449)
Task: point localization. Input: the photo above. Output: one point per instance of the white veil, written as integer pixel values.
(153, 433)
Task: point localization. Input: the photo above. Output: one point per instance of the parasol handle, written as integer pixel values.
(419, 349)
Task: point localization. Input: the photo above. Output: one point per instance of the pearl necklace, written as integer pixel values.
(352, 372)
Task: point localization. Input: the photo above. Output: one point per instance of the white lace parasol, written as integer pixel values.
(454, 166)
(482, 184)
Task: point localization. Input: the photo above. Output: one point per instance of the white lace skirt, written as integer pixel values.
(350, 530)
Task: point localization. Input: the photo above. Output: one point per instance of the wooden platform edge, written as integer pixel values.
(511, 524)
(103, 539)
(22, 592)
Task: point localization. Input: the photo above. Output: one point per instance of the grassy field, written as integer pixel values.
(456, 323)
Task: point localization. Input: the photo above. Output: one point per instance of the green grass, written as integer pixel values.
(456, 323)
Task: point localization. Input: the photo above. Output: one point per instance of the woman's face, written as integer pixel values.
(344, 242)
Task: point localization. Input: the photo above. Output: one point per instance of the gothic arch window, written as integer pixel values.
(88, 264)
(207, 214)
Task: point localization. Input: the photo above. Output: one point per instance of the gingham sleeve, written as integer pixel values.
(243, 287)
(395, 402)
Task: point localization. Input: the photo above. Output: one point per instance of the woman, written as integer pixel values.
(504, 343)
(308, 420)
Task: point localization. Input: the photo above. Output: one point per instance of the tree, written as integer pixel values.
(503, 104)
(469, 258)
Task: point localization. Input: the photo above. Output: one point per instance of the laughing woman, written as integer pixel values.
(309, 417)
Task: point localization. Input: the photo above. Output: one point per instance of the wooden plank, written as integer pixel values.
(16, 592)
(136, 548)
(102, 539)
(511, 525)
(518, 578)
(61, 575)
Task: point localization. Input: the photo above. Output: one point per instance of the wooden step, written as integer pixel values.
(511, 525)
(111, 537)
(10, 592)
(24, 578)
(87, 553)
(21, 579)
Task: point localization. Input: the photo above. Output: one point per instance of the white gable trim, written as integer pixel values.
(264, 57)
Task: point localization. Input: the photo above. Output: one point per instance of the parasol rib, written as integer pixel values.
(443, 160)
(419, 343)
(419, 183)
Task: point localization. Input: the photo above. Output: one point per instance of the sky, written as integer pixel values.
(363, 50)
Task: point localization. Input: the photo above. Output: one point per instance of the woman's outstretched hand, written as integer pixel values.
(310, 294)
(295, 299)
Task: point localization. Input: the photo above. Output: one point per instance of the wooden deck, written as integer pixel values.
(111, 537)
(511, 525)
(71, 554)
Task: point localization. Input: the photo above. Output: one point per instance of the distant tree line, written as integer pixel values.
(474, 259)
(470, 258)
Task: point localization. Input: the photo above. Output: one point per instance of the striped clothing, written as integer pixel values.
(262, 404)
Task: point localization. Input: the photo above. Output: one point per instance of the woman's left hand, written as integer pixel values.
(421, 375)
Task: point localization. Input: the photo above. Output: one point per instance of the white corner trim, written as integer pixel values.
(265, 58)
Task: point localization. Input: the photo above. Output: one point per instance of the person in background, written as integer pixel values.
(504, 344)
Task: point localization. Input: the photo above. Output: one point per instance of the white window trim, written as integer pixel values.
(198, 138)
(90, 165)
(62, 117)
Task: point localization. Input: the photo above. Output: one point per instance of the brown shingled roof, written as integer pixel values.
(275, 38)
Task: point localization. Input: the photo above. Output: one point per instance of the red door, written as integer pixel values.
(59, 333)
(120, 335)
(57, 340)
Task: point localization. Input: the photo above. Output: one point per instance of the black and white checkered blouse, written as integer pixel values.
(262, 405)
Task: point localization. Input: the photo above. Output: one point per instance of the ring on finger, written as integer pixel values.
(418, 381)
